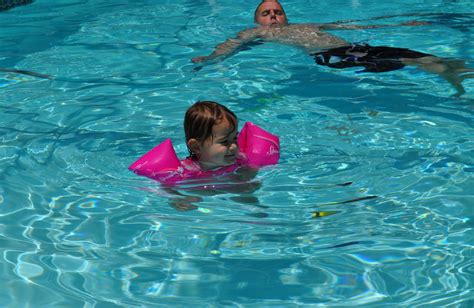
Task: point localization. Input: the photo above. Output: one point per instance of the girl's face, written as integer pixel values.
(220, 150)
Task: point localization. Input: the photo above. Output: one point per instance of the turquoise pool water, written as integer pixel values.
(387, 160)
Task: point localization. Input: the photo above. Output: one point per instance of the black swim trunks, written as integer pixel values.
(375, 59)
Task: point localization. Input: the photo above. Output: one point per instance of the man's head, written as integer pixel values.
(269, 13)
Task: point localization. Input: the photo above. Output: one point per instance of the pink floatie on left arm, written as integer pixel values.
(160, 163)
(259, 146)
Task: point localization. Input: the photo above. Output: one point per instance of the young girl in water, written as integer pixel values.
(214, 146)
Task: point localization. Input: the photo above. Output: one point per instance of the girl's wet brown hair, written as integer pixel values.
(201, 117)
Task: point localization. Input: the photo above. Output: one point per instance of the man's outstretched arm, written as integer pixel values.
(337, 26)
(229, 47)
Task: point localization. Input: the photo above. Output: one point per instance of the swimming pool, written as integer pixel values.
(78, 229)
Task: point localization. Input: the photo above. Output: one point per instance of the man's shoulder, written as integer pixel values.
(251, 33)
(305, 26)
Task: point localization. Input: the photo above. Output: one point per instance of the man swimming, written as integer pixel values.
(332, 51)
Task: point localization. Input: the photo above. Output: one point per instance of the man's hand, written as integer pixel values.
(415, 23)
(199, 59)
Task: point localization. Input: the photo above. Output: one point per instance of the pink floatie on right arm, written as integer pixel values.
(259, 146)
(160, 163)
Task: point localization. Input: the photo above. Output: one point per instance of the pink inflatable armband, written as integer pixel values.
(161, 163)
(258, 147)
